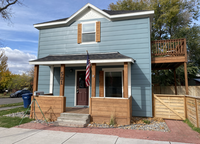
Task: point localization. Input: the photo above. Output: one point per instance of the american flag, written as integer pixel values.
(87, 75)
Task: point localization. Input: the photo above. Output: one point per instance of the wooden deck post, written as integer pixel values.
(35, 80)
(93, 80)
(186, 78)
(175, 84)
(125, 80)
(62, 79)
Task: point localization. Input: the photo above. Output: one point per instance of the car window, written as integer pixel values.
(18, 91)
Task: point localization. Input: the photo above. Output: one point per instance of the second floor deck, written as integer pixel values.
(168, 54)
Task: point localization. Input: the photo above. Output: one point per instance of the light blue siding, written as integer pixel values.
(129, 37)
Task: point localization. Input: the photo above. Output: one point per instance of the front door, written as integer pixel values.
(81, 89)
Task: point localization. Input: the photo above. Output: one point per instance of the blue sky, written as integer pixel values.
(20, 38)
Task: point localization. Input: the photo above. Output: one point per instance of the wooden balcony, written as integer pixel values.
(168, 54)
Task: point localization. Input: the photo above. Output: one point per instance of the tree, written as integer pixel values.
(4, 71)
(172, 19)
(5, 8)
(3, 61)
(169, 15)
(166, 77)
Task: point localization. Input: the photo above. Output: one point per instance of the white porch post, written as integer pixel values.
(129, 79)
(51, 79)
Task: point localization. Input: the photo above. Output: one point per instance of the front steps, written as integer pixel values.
(73, 120)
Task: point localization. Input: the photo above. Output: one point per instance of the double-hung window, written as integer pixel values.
(88, 32)
(113, 79)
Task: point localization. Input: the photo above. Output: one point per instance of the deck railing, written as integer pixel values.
(168, 48)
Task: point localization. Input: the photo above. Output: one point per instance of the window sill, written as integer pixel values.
(88, 43)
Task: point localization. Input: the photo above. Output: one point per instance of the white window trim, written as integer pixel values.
(93, 42)
(75, 104)
(112, 70)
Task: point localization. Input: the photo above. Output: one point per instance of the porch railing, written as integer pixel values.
(168, 48)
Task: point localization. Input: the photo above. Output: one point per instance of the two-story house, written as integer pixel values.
(119, 47)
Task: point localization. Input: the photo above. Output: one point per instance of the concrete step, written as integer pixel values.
(75, 115)
(69, 124)
(73, 120)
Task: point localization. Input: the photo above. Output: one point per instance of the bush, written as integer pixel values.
(112, 120)
(146, 121)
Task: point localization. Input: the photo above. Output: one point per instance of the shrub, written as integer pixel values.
(112, 120)
(146, 121)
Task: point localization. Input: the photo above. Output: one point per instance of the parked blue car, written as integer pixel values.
(19, 93)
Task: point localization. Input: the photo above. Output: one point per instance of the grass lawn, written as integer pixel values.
(192, 126)
(10, 105)
(5, 96)
(12, 121)
(9, 122)
(4, 112)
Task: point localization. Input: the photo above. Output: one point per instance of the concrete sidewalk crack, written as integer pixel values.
(28, 136)
(69, 138)
(116, 140)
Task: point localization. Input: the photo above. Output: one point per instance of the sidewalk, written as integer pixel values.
(34, 136)
(6, 108)
(179, 132)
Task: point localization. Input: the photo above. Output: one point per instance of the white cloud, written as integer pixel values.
(18, 61)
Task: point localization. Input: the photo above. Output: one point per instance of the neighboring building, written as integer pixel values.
(119, 46)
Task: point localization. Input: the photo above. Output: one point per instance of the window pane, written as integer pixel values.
(89, 27)
(113, 84)
(81, 80)
(89, 37)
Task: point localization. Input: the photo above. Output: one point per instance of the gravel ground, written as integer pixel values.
(18, 114)
(21, 114)
(137, 123)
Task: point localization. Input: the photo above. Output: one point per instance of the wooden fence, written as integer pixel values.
(193, 90)
(177, 107)
(101, 109)
(51, 106)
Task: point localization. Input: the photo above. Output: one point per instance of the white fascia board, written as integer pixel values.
(98, 10)
(132, 14)
(81, 61)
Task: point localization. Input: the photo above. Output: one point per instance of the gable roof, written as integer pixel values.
(112, 15)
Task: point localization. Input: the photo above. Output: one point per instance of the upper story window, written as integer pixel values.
(89, 32)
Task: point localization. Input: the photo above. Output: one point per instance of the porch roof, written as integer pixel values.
(113, 57)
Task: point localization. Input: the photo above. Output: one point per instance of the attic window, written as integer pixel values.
(88, 32)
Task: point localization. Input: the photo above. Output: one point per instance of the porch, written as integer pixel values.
(113, 67)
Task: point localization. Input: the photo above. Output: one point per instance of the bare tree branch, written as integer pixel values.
(5, 8)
